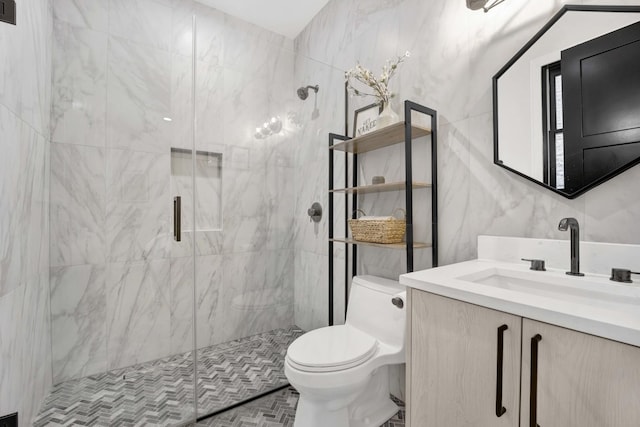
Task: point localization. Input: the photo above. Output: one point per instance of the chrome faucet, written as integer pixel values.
(572, 223)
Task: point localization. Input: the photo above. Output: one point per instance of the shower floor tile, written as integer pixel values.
(160, 393)
(277, 409)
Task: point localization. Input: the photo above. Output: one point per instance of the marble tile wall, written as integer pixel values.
(454, 54)
(122, 289)
(25, 93)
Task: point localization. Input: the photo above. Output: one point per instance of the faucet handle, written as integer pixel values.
(536, 264)
(621, 275)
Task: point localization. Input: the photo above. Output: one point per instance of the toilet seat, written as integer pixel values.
(332, 348)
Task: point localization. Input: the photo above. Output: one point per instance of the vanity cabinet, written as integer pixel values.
(454, 368)
(454, 361)
(581, 380)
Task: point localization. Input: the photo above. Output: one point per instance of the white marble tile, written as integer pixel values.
(78, 321)
(503, 203)
(237, 30)
(506, 204)
(280, 192)
(36, 345)
(280, 274)
(437, 73)
(11, 179)
(138, 312)
(208, 283)
(182, 15)
(181, 305)
(209, 280)
(181, 127)
(78, 110)
(25, 99)
(35, 208)
(249, 303)
(45, 211)
(147, 22)
(341, 23)
(453, 193)
(26, 58)
(496, 37)
(210, 105)
(311, 186)
(311, 292)
(24, 188)
(11, 363)
(246, 99)
(210, 34)
(208, 191)
(182, 181)
(139, 88)
(209, 242)
(78, 205)
(93, 14)
(139, 206)
(245, 207)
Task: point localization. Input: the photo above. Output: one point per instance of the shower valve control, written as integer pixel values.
(315, 212)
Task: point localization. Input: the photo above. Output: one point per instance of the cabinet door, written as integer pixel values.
(453, 364)
(582, 380)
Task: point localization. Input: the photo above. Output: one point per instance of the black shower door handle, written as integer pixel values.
(177, 218)
(500, 410)
(533, 391)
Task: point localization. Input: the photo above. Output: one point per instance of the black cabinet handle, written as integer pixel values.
(533, 392)
(500, 410)
(177, 218)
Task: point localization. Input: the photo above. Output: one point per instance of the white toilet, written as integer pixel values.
(341, 372)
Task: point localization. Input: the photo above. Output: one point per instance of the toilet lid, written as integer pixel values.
(331, 348)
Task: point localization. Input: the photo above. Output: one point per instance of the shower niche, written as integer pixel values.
(197, 180)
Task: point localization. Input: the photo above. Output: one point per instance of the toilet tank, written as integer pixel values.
(370, 309)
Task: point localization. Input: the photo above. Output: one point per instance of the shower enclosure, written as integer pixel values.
(172, 250)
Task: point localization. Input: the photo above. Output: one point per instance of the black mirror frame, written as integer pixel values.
(522, 51)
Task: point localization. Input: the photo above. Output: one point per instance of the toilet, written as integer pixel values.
(342, 372)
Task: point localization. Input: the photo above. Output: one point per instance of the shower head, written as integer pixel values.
(303, 92)
(485, 5)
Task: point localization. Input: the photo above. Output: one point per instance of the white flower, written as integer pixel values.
(379, 87)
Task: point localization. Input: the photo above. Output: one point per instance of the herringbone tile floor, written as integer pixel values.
(275, 410)
(160, 393)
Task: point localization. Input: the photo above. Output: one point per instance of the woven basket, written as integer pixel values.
(387, 230)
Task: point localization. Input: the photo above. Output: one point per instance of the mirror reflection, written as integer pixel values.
(567, 106)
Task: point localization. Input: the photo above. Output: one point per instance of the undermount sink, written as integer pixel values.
(594, 291)
(499, 280)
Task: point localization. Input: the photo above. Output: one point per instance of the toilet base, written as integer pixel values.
(371, 406)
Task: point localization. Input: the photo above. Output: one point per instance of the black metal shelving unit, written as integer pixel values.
(398, 133)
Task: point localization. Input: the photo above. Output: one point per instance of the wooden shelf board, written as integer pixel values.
(416, 245)
(379, 188)
(389, 135)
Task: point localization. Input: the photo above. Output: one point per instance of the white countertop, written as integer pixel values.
(617, 320)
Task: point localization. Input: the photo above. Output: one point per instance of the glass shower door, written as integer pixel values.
(122, 285)
(244, 207)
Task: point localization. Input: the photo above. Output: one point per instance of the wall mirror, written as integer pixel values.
(566, 107)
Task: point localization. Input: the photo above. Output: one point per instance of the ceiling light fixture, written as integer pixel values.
(485, 5)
